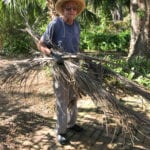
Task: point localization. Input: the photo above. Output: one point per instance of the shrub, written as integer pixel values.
(105, 41)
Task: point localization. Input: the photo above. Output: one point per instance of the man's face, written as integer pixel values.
(70, 10)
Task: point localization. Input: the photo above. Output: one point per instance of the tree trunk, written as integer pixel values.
(51, 8)
(140, 28)
(117, 12)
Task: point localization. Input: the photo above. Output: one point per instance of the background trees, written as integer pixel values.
(107, 21)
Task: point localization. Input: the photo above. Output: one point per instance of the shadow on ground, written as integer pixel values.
(28, 123)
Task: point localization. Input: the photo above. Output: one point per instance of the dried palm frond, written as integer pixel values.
(21, 72)
(84, 82)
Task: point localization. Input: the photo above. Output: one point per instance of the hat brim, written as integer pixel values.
(59, 4)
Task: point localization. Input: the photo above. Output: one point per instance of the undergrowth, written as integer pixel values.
(136, 70)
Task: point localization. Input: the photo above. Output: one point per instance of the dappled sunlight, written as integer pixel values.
(27, 121)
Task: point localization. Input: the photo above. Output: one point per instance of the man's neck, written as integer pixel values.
(68, 21)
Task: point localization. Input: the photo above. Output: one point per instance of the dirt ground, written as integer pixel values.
(27, 121)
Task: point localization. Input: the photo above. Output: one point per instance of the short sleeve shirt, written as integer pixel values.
(61, 35)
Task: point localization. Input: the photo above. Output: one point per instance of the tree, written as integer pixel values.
(17, 16)
(140, 28)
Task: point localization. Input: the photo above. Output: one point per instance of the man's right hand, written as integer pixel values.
(58, 58)
(43, 48)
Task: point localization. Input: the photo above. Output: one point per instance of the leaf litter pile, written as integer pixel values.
(89, 77)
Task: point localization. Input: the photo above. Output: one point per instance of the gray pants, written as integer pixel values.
(66, 104)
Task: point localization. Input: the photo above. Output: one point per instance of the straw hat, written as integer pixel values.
(60, 3)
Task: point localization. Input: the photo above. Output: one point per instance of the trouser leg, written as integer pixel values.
(72, 114)
(61, 106)
(66, 104)
(72, 108)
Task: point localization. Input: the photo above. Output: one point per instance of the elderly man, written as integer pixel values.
(64, 32)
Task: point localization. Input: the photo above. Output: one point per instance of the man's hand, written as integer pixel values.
(58, 58)
(43, 48)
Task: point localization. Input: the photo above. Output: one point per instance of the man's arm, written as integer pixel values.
(45, 50)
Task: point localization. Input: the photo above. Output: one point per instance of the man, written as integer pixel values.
(64, 33)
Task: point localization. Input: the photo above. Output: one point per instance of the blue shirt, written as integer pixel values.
(61, 35)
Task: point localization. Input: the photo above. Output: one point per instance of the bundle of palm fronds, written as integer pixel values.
(87, 78)
(87, 82)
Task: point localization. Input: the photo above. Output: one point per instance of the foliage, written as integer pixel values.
(103, 33)
(137, 69)
(15, 15)
(105, 39)
(18, 43)
(140, 66)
